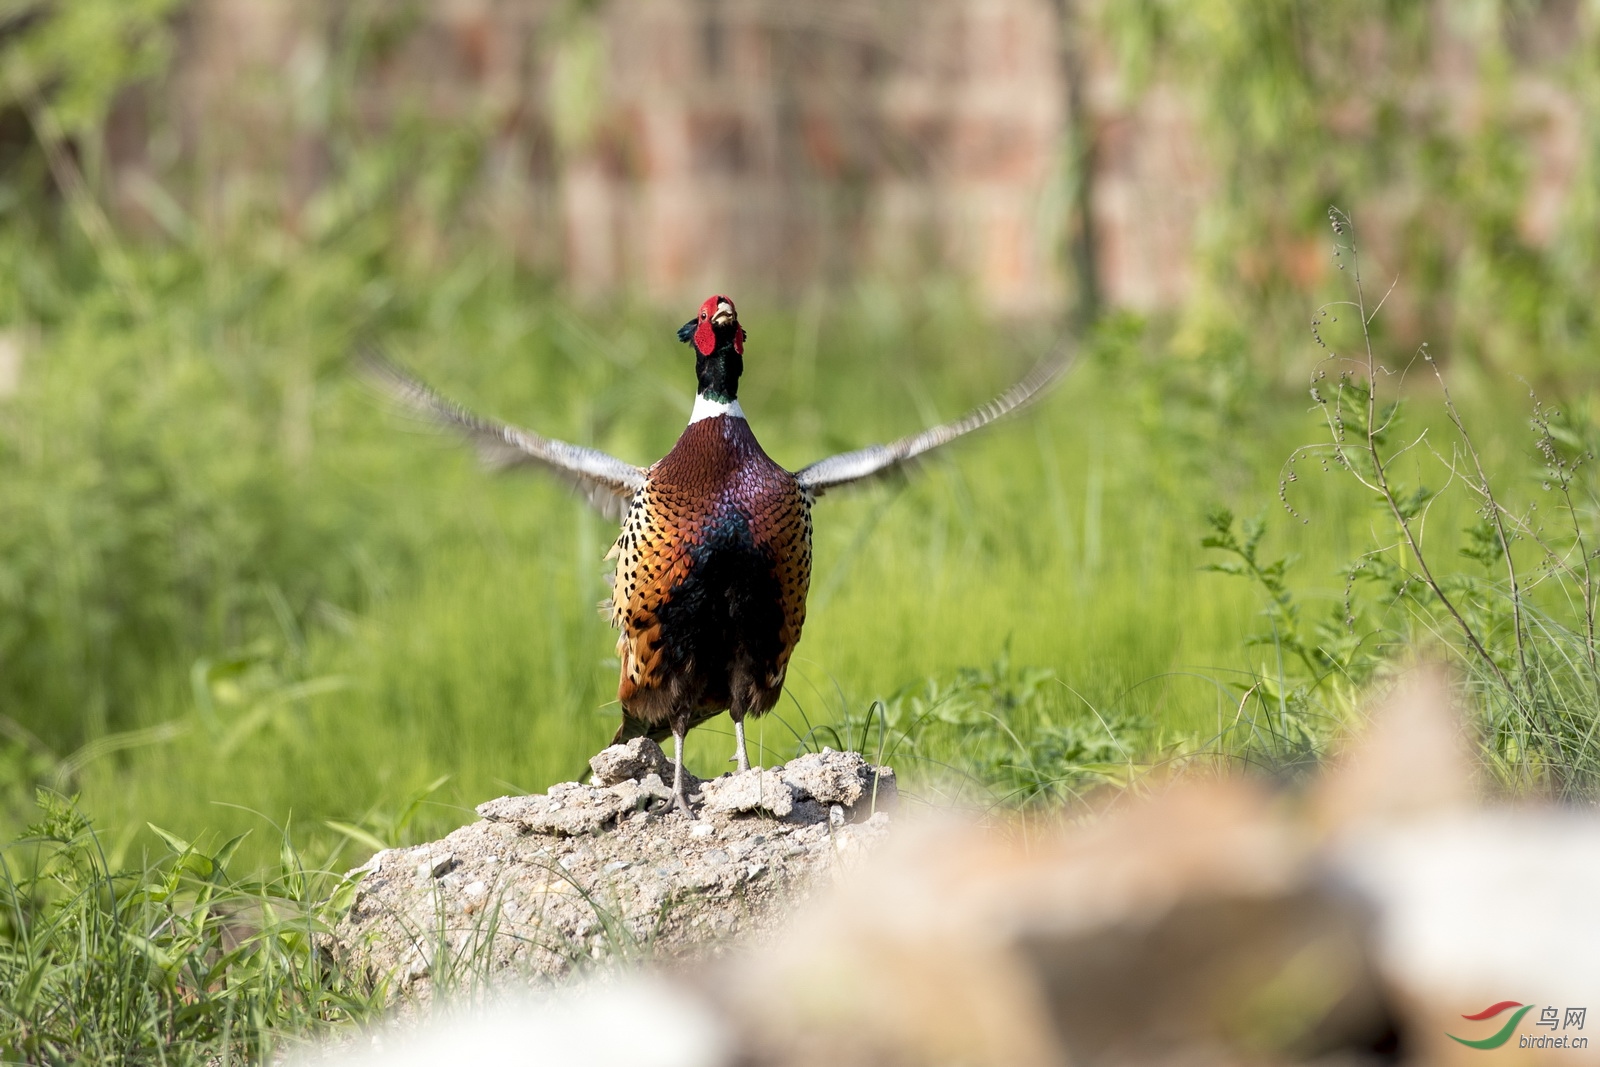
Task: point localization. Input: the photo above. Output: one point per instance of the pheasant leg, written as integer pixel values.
(738, 745)
(677, 771)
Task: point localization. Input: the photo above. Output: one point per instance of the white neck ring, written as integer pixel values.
(710, 409)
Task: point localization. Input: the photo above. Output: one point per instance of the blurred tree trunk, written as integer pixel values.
(1082, 261)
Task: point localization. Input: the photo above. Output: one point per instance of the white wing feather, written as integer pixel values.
(606, 481)
(878, 460)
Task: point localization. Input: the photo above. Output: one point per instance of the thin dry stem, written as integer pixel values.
(1380, 481)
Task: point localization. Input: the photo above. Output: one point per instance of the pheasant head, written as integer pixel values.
(718, 342)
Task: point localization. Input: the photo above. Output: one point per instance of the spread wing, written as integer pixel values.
(607, 482)
(878, 460)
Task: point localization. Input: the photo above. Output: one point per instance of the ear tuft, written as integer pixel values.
(686, 331)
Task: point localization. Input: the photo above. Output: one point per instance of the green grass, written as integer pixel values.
(238, 593)
(240, 597)
(475, 649)
(175, 959)
(243, 591)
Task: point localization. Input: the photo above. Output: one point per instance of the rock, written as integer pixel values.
(1136, 936)
(1118, 941)
(585, 871)
(842, 778)
(1200, 922)
(630, 762)
(752, 790)
(435, 866)
(822, 780)
(572, 809)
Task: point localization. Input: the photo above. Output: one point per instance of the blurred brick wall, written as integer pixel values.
(671, 147)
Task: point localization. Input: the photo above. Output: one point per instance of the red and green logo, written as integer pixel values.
(1500, 1036)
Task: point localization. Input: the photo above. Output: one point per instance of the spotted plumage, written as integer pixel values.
(709, 596)
(714, 556)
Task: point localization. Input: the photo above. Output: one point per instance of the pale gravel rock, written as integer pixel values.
(434, 866)
(754, 790)
(630, 762)
(592, 871)
(828, 779)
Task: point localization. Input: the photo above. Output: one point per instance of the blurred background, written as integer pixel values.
(236, 591)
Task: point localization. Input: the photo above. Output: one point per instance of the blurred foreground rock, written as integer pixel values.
(587, 872)
(1210, 922)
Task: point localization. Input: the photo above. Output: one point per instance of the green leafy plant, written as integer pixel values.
(1520, 623)
(1283, 719)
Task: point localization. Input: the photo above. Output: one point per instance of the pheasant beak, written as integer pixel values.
(724, 314)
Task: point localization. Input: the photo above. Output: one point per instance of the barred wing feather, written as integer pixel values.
(606, 481)
(879, 460)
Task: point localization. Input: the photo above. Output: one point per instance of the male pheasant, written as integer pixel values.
(714, 557)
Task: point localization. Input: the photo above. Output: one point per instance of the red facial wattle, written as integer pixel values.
(705, 336)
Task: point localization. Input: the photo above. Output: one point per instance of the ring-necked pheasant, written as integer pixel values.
(714, 557)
